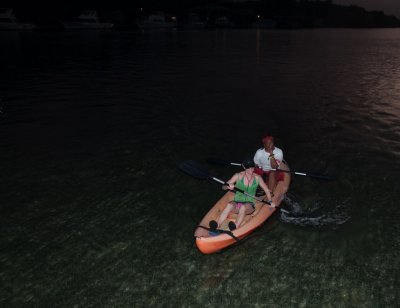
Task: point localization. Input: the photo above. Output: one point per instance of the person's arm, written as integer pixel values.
(274, 163)
(231, 182)
(276, 159)
(264, 188)
(257, 160)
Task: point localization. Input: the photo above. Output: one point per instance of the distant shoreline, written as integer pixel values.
(267, 13)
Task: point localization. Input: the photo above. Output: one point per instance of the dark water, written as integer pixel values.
(94, 211)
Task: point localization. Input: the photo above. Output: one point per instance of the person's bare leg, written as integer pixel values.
(225, 214)
(279, 194)
(271, 183)
(240, 217)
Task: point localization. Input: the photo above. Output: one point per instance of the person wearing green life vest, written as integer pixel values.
(242, 204)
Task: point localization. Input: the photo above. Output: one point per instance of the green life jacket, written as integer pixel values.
(251, 190)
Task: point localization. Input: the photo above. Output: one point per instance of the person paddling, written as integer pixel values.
(267, 158)
(242, 204)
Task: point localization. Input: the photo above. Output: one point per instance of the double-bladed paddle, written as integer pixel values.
(222, 162)
(195, 170)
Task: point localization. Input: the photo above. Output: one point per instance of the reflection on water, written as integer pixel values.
(94, 125)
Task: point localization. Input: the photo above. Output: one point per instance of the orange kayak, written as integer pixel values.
(208, 242)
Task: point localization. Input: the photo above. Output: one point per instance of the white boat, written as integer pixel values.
(87, 20)
(223, 22)
(156, 20)
(8, 21)
(264, 23)
(194, 22)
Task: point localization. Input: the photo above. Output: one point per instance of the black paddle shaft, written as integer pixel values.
(223, 162)
(194, 169)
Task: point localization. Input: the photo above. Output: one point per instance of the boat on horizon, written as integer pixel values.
(264, 23)
(87, 20)
(156, 21)
(223, 22)
(8, 21)
(193, 22)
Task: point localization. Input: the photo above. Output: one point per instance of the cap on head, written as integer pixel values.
(248, 162)
(267, 137)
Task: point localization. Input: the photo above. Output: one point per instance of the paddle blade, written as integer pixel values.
(324, 177)
(194, 169)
